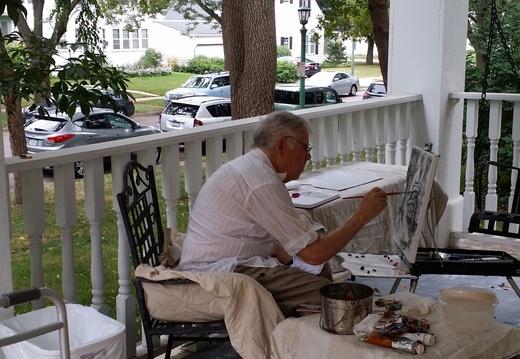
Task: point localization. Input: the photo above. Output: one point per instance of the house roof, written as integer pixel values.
(176, 20)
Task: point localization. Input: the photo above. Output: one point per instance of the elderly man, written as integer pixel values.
(244, 219)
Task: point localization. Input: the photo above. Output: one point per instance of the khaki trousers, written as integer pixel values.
(289, 287)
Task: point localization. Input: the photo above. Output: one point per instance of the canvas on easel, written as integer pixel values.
(414, 205)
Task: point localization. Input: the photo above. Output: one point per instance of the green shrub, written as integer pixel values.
(201, 64)
(151, 58)
(286, 72)
(283, 51)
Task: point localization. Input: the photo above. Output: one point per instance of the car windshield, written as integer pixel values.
(179, 109)
(197, 82)
(378, 88)
(46, 125)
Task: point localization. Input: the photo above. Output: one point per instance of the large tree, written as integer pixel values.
(249, 33)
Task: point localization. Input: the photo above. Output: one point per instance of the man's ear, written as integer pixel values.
(280, 145)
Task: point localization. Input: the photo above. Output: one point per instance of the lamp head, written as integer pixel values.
(304, 11)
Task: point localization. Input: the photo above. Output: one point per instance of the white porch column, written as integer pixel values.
(427, 53)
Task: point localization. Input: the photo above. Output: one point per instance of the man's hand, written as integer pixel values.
(281, 254)
(372, 204)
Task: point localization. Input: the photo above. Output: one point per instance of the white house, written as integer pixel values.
(171, 35)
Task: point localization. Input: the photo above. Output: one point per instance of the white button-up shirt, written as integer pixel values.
(241, 210)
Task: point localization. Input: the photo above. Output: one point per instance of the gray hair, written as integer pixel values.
(275, 125)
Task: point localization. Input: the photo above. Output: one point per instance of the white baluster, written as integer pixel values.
(356, 137)
(344, 136)
(368, 138)
(171, 183)
(390, 123)
(66, 217)
(402, 129)
(213, 154)
(330, 139)
(472, 109)
(125, 300)
(33, 199)
(95, 208)
(495, 122)
(379, 122)
(192, 171)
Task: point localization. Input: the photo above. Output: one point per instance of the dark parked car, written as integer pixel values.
(287, 97)
(126, 107)
(311, 66)
(375, 89)
(57, 131)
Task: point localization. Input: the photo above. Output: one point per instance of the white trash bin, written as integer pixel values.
(92, 335)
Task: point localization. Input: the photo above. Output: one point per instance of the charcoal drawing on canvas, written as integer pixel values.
(414, 205)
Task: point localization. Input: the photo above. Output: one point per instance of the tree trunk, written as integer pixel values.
(369, 60)
(13, 108)
(249, 33)
(380, 20)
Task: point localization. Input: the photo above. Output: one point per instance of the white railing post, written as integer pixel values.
(472, 114)
(33, 206)
(95, 209)
(495, 122)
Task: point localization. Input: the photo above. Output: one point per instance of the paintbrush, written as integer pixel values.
(388, 194)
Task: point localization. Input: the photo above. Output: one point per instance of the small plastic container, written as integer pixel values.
(468, 310)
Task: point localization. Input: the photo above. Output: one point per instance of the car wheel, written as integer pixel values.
(353, 90)
(78, 169)
(121, 111)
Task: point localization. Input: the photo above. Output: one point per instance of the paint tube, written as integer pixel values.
(425, 338)
(407, 345)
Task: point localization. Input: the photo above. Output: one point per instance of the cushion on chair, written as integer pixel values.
(249, 310)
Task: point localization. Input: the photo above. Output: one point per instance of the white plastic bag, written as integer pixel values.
(92, 335)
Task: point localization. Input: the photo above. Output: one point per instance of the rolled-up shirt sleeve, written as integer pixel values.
(271, 207)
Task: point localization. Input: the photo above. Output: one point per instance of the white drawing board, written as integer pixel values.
(309, 197)
(340, 180)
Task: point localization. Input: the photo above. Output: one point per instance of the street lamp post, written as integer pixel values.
(304, 11)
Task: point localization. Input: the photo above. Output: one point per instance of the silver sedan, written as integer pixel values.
(56, 131)
(343, 83)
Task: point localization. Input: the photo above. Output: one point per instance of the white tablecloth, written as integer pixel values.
(302, 338)
(376, 236)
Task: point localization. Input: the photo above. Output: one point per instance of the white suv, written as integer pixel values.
(194, 111)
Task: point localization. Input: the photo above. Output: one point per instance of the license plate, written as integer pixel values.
(33, 142)
(176, 124)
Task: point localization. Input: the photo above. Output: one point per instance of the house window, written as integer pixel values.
(116, 38)
(311, 47)
(5, 27)
(286, 41)
(135, 39)
(104, 42)
(144, 38)
(126, 39)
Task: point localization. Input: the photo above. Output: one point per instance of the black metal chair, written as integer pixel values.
(141, 215)
(495, 222)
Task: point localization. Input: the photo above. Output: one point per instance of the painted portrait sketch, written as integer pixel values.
(414, 206)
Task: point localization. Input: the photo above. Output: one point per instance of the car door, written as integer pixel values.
(121, 127)
(95, 128)
(220, 87)
(341, 83)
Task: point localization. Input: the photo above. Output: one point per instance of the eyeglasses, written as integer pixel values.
(307, 148)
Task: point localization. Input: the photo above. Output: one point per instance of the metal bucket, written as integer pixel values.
(343, 305)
